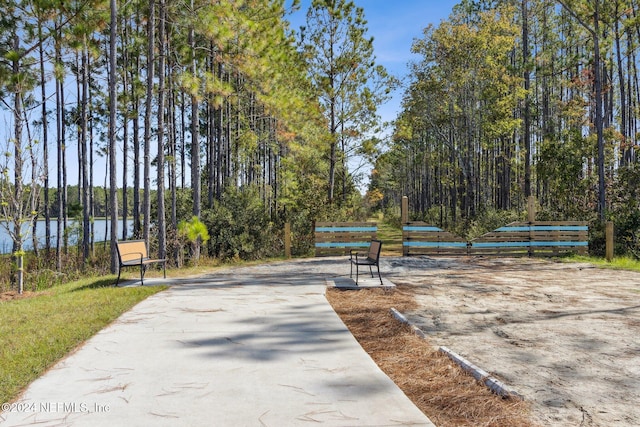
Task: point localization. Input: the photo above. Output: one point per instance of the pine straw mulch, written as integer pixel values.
(440, 388)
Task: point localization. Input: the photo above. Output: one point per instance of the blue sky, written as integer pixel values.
(394, 24)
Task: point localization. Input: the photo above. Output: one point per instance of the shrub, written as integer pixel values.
(240, 227)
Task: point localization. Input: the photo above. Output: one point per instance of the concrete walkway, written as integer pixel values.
(252, 346)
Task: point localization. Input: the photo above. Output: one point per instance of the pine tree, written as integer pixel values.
(345, 76)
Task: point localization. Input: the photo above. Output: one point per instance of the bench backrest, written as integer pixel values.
(374, 250)
(131, 250)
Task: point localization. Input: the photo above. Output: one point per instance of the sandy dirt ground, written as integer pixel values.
(565, 336)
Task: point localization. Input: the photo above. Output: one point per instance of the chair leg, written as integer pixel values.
(370, 271)
(351, 271)
(379, 276)
(357, 273)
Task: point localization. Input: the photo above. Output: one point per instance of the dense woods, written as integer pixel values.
(518, 98)
(202, 109)
(219, 113)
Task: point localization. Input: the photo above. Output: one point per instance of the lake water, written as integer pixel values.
(101, 230)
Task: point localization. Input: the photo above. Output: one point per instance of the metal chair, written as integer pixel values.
(372, 258)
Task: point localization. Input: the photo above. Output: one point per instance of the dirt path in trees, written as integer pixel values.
(566, 336)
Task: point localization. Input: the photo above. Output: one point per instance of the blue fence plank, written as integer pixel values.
(511, 239)
(346, 229)
(342, 244)
(543, 228)
(525, 244)
(420, 228)
(556, 243)
(435, 244)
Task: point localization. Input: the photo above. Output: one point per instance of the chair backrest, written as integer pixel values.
(130, 250)
(374, 250)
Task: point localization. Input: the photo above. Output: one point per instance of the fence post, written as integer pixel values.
(287, 240)
(609, 239)
(531, 212)
(531, 208)
(404, 214)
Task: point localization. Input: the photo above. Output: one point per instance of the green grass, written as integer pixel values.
(39, 330)
(391, 237)
(621, 263)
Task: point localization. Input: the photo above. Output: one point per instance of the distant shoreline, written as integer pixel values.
(101, 230)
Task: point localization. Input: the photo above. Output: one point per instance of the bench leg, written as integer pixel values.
(142, 274)
(357, 273)
(118, 281)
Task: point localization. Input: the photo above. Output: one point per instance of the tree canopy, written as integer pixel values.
(518, 98)
(203, 107)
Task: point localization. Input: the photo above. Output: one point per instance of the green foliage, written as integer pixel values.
(597, 239)
(42, 279)
(348, 83)
(459, 151)
(40, 268)
(488, 220)
(240, 226)
(392, 217)
(454, 148)
(193, 230)
(625, 211)
(561, 171)
(618, 263)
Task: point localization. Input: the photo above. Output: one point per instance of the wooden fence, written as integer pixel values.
(419, 238)
(338, 238)
(550, 238)
(537, 238)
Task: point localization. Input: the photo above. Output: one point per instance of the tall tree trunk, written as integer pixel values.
(333, 153)
(60, 157)
(78, 129)
(162, 247)
(92, 205)
(83, 141)
(527, 101)
(45, 146)
(211, 152)
(137, 226)
(599, 113)
(146, 209)
(599, 119)
(125, 135)
(624, 150)
(136, 169)
(113, 105)
(172, 147)
(17, 172)
(196, 190)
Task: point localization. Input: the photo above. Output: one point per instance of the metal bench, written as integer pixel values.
(133, 253)
(372, 258)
